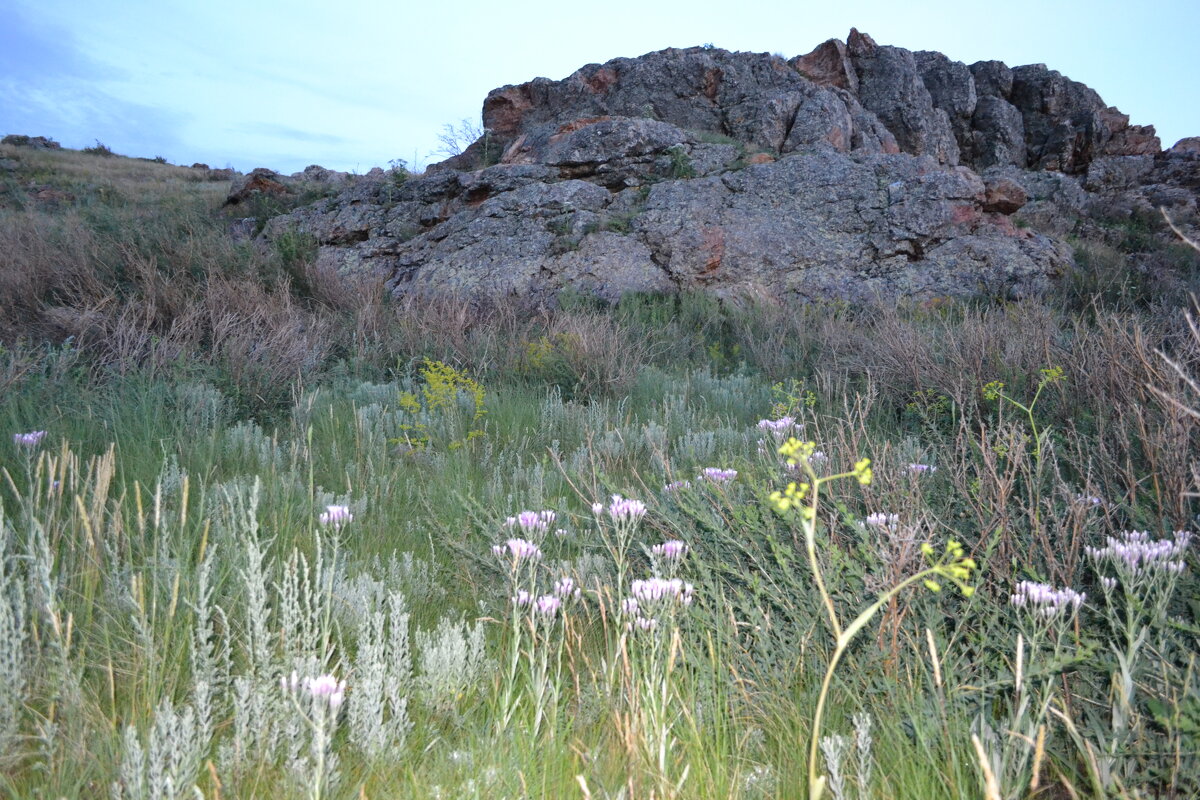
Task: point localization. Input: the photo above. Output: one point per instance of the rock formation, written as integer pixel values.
(858, 170)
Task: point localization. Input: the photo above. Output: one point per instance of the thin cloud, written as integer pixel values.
(294, 134)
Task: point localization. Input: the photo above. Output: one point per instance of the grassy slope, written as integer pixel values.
(211, 368)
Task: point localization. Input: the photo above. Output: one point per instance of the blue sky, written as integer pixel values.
(353, 84)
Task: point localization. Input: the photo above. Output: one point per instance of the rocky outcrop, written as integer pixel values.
(856, 171)
(263, 181)
(33, 142)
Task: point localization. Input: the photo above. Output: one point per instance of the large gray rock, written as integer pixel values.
(815, 225)
(952, 89)
(754, 98)
(890, 85)
(997, 133)
(1067, 124)
(833, 175)
(992, 78)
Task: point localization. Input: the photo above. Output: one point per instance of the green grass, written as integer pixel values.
(162, 542)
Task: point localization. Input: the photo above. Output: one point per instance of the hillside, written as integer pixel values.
(660, 458)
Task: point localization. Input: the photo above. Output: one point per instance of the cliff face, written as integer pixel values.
(858, 170)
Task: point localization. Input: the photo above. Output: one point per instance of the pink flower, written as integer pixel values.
(565, 587)
(652, 590)
(30, 440)
(532, 521)
(336, 516)
(718, 475)
(548, 605)
(624, 510)
(518, 550)
(671, 550)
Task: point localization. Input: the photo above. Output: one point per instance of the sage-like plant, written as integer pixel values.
(803, 497)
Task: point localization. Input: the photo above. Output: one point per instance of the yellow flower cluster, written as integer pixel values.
(796, 451)
(789, 498)
(954, 565)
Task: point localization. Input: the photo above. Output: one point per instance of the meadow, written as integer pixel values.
(267, 532)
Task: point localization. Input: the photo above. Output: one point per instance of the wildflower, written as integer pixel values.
(518, 550)
(324, 688)
(921, 469)
(30, 440)
(522, 598)
(1086, 500)
(336, 516)
(790, 497)
(1109, 584)
(793, 450)
(565, 587)
(531, 521)
(881, 520)
(653, 590)
(1134, 553)
(818, 457)
(327, 688)
(1044, 600)
(718, 475)
(671, 550)
(675, 486)
(862, 471)
(624, 510)
(547, 605)
(629, 606)
(778, 426)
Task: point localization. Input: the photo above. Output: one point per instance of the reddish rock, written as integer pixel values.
(602, 80)
(860, 44)
(760, 158)
(259, 181)
(504, 109)
(828, 65)
(712, 83)
(965, 214)
(1004, 196)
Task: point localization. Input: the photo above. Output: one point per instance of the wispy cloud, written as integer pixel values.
(49, 87)
(277, 131)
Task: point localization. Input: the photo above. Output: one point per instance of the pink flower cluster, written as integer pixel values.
(1044, 600)
(780, 429)
(670, 550)
(518, 551)
(881, 520)
(336, 516)
(566, 588)
(532, 521)
(621, 509)
(675, 486)
(1134, 553)
(324, 688)
(31, 439)
(718, 475)
(654, 590)
(548, 605)
(650, 595)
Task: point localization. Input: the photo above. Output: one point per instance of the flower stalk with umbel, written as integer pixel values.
(804, 498)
